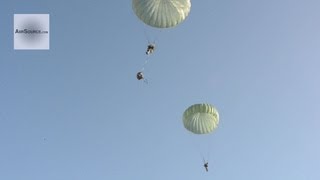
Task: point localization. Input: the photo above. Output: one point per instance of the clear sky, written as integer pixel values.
(77, 111)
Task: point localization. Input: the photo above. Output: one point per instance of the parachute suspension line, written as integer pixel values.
(153, 42)
(146, 35)
(200, 149)
(149, 42)
(157, 37)
(145, 63)
(209, 149)
(151, 37)
(203, 149)
(204, 159)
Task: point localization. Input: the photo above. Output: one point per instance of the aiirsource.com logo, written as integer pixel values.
(31, 31)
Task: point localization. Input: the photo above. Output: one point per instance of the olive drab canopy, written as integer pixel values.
(161, 13)
(201, 118)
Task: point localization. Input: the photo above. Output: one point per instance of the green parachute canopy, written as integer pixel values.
(201, 118)
(161, 13)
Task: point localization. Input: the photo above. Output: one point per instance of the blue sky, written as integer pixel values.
(78, 112)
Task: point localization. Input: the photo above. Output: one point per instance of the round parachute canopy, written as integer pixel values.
(161, 13)
(201, 118)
